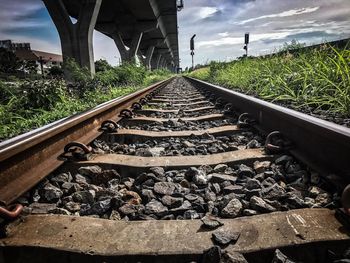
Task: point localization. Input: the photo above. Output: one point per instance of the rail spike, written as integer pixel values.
(277, 143)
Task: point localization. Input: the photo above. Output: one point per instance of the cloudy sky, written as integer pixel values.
(219, 25)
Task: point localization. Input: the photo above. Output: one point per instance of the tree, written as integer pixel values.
(9, 63)
(102, 65)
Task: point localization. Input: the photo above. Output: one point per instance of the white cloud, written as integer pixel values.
(253, 38)
(291, 12)
(9, 13)
(220, 42)
(224, 34)
(206, 11)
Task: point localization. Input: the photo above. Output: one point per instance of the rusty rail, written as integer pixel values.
(28, 158)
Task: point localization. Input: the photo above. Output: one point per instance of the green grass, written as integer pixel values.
(313, 79)
(14, 123)
(202, 73)
(33, 104)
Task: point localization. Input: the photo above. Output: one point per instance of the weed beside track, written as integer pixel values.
(315, 81)
(26, 105)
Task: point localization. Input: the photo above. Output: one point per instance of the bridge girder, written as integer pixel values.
(135, 26)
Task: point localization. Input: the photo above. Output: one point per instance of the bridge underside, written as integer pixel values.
(143, 28)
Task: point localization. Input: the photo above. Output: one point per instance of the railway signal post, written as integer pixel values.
(192, 49)
(246, 41)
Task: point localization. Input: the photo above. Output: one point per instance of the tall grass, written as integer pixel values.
(32, 104)
(313, 79)
(17, 122)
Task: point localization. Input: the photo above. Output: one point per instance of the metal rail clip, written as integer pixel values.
(75, 150)
(277, 143)
(126, 113)
(245, 120)
(219, 102)
(136, 106)
(109, 126)
(143, 101)
(11, 212)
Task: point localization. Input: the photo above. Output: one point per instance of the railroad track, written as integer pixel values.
(166, 173)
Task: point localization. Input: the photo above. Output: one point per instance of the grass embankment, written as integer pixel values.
(28, 105)
(316, 80)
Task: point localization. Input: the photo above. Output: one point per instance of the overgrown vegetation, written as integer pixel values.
(316, 79)
(9, 63)
(31, 104)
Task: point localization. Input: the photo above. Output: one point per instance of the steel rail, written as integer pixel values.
(74, 238)
(322, 145)
(28, 158)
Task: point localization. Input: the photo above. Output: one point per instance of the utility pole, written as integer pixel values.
(192, 49)
(41, 61)
(246, 42)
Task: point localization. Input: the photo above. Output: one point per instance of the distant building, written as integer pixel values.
(8, 44)
(23, 51)
(44, 60)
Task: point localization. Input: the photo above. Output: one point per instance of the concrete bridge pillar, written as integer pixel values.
(154, 60)
(149, 55)
(147, 58)
(141, 57)
(128, 55)
(163, 63)
(76, 39)
(159, 61)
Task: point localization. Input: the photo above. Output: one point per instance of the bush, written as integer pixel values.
(108, 77)
(130, 74)
(75, 73)
(156, 76)
(102, 65)
(36, 103)
(127, 74)
(42, 94)
(5, 93)
(12, 78)
(55, 71)
(9, 63)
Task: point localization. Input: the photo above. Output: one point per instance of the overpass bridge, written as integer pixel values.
(143, 28)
